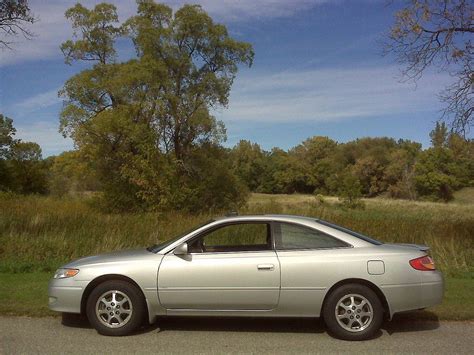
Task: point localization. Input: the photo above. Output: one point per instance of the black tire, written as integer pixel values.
(360, 331)
(135, 305)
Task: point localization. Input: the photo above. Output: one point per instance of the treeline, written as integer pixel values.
(366, 167)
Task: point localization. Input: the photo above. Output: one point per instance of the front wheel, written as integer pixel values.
(353, 312)
(115, 308)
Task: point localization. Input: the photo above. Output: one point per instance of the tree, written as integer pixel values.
(315, 158)
(439, 33)
(399, 173)
(463, 153)
(7, 131)
(435, 174)
(70, 174)
(28, 168)
(439, 135)
(350, 190)
(249, 164)
(445, 167)
(213, 186)
(368, 159)
(98, 31)
(141, 123)
(14, 15)
(276, 173)
(198, 63)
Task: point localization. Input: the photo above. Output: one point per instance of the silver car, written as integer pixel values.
(265, 266)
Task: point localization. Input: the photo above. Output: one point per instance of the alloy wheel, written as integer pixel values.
(114, 309)
(354, 312)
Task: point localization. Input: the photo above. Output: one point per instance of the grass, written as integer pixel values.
(464, 196)
(26, 295)
(40, 233)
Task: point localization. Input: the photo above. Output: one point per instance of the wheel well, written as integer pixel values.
(97, 281)
(369, 284)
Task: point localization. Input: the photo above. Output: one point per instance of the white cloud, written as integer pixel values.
(330, 95)
(52, 28)
(248, 10)
(39, 101)
(46, 134)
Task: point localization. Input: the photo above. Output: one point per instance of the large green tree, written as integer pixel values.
(141, 122)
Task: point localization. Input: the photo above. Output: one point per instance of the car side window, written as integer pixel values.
(234, 238)
(290, 236)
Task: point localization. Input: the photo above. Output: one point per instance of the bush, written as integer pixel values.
(350, 191)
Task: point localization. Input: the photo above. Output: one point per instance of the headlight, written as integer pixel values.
(64, 273)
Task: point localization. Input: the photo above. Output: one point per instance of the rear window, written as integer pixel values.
(351, 232)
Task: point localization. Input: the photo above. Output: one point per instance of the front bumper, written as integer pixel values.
(65, 295)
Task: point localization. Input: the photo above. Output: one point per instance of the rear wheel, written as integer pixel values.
(115, 308)
(353, 312)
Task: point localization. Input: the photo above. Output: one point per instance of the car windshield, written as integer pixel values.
(155, 248)
(351, 232)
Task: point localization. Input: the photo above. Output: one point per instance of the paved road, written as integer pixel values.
(185, 335)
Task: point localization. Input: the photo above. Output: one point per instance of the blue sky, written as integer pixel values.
(318, 70)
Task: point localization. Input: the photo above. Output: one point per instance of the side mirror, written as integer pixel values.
(181, 249)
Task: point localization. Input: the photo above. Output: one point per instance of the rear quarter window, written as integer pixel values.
(291, 236)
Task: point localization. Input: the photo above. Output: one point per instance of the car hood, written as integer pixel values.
(118, 256)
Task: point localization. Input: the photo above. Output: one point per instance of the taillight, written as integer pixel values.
(424, 263)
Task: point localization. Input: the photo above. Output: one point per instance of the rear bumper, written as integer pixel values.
(408, 297)
(432, 288)
(65, 295)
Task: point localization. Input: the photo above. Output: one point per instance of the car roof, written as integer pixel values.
(320, 224)
(275, 217)
(308, 221)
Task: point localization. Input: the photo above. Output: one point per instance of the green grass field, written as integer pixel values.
(37, 234)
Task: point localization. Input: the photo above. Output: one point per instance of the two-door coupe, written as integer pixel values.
(262, 265)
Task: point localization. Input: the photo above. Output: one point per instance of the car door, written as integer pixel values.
(231, 267)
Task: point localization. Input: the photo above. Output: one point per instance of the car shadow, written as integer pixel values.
(74, 320)
(412, 322)
(401, 323)
(244, 324)
(232, 324)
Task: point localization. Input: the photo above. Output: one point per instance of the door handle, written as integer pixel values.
(265, 267)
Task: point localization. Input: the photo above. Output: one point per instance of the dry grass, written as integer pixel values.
(464, 196)
(39, 233)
